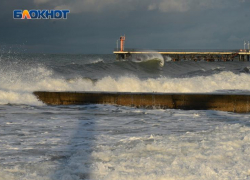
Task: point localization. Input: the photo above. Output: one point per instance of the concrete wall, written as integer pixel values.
(221, 102)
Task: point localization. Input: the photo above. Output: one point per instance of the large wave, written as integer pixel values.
(20, 90)
(19, 79)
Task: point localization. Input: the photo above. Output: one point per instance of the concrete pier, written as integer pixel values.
(209, 55)
(221, 102)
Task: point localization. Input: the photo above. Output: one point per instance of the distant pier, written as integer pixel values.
(123, 53)
(182, 55)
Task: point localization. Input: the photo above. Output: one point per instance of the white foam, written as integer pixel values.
(221, 81)
(219, 154)
(110, 148)
(16, 86)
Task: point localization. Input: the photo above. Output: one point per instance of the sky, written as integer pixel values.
(93, 26)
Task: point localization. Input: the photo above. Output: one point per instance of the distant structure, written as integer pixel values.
(122, 40)
(182, 55)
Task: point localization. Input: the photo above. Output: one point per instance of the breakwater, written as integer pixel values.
(222, 102)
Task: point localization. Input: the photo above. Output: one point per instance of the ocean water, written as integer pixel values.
(116, 142)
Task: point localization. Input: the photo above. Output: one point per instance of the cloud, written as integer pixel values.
(78, 6)
(41, 1)
(165, 6)
(188, 5)
(174, 6)
(88, 5)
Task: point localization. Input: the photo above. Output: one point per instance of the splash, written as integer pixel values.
(168, 59)
(154, 56)
(97, 61)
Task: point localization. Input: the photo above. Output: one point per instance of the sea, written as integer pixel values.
(109, 142)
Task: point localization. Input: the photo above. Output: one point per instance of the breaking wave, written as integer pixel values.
(142, 58)
(20, 78)
(20, 90)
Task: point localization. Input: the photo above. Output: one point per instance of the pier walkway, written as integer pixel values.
(193, 55)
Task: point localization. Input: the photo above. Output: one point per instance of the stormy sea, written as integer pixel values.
(41, 142)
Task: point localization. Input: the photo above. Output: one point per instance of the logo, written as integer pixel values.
(40, 14)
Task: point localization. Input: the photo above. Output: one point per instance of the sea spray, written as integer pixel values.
(154, 56)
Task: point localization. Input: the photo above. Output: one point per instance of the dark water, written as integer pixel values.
(115, 142)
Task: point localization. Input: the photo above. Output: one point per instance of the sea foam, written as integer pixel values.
(18, 89)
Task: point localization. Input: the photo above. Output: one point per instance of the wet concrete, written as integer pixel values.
(222, 102)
